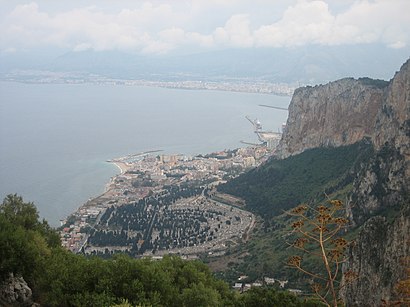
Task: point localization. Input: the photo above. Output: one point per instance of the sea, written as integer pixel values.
(55, 139)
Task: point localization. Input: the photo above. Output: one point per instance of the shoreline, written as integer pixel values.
(277, 89)
(122, 166)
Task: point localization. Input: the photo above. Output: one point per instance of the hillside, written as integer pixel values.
(322, 151)
(279, 185)
(312, 64)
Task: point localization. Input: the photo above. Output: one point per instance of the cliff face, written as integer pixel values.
(384, 181)
(380, 257)
(381, 254)
(344, 112)
(339, 113)
(380, 184)
(393, 119)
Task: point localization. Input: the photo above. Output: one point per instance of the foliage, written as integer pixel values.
(264, 256)
(317, 233)
(374, 82)
(24, 241)
(59, 278)
(282, 184)
(269, 297)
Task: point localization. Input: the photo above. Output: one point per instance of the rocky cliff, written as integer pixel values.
(339, 113)
(14, 291)
(384, 181)
(381, 254)
(344, 112)
(380, 257)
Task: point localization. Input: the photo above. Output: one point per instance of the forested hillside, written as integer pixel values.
(279, 185)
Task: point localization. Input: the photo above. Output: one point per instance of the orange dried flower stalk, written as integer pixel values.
(295, 261)
(340, 242)
(298, 224)
(299, 209)
(324, 218)
(321, 230)
(300, 242)
(322, 209)
(337, 203)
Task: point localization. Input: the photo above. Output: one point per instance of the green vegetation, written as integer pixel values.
(268, 297)
(25, 243)
(265, 255)
(31, 249)
(280, 185)
(374, 82)
(276, 187)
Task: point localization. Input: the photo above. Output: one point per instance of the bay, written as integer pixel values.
(55, 138)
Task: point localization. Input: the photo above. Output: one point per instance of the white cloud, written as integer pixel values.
(312, 22)
(162, 26)
(235, 33)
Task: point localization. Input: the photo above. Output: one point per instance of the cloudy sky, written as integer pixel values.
(165, 27)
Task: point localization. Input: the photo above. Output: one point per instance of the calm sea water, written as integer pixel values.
(55, 139)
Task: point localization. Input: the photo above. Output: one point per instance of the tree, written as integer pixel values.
(26, 244)
(25, 215)
(269, 297)
(318, 235)
(17, 212)
(200, 296)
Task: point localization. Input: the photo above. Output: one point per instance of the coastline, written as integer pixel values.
(125, 188)
(123, 167)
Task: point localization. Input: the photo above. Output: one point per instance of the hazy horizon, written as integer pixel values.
(281, 41)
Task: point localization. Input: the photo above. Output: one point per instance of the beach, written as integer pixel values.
(122, 166)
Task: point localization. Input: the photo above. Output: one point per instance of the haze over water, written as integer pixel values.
(55, 139)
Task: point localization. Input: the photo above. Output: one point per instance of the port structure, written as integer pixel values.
(273, 107)
(269, 139)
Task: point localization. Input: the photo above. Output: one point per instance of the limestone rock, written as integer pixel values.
(14, 291)
(338, 113)
(379, 257)
(385, 181)
(344, 112)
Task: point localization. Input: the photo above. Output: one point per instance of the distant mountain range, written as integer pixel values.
(304, 65)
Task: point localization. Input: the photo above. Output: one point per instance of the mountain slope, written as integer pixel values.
(309, 65)
(337, 117)
(283, 184)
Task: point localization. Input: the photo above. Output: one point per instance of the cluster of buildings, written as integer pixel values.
(268, 281)
(149, 173)
(248, 86)
(74, 229)
(144, 176)
(254, 86)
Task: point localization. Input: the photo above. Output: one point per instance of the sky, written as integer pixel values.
(183, 26)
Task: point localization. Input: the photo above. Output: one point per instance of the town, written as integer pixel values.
(234, 85)
(161, 204)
